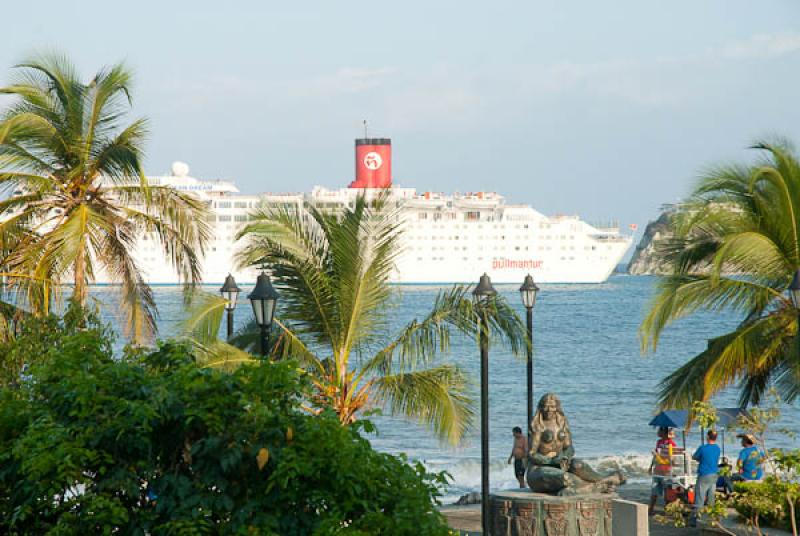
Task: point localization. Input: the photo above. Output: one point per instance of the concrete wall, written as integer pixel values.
(629, 519)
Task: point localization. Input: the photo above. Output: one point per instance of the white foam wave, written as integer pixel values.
(466, 473)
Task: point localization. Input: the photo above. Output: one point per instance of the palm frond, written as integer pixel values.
(681, 295)
(749, 351)
(293, 243)
(283, 343)
(204, 317)
(436, 397)
(221, 355)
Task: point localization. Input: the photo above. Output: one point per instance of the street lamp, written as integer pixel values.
(263, 298)
(482, 294)
(794, 289)
(528, 292)
(230, 292)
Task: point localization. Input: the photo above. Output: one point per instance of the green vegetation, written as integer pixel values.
(332, 272)
(77, 198)
(773, 502)
(736, 247)
(150, 443)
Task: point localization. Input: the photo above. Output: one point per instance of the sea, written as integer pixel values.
(586, 350)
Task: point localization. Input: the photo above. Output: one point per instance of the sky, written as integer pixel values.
(602, 109)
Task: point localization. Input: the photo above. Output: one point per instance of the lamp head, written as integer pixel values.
(230, 292)
(528, 292)
(484, 290)
(263, 299)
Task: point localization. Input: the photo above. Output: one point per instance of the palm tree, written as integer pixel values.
(736, 248)
(77, 197)
(332, 272)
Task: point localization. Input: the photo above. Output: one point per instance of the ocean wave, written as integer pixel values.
(466, 473)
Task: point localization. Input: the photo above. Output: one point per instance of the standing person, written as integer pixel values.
(661, 465)
(519, 452)
(750, 460)
(707, 457)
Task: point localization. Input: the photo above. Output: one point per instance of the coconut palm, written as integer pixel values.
(736, 248)
(77, 199)
(332, 273)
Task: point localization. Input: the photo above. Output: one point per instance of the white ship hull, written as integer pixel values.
(446, 238)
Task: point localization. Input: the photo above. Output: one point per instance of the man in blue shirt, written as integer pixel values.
(707, 457)
(750, 459)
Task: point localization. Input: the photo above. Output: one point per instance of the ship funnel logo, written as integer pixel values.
(373, 160)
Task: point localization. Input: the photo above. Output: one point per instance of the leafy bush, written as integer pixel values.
(761, 503)
(150, 443)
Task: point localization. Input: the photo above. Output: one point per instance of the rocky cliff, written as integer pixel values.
(643, 261)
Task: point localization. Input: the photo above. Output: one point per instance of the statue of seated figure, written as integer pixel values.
(552, 466)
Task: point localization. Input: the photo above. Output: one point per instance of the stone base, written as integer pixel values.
(521, 513)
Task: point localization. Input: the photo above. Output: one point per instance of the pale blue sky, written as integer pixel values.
(605, 109)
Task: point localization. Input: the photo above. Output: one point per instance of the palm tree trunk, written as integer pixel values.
(80, 291)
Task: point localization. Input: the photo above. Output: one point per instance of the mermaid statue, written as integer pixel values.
(552, 465)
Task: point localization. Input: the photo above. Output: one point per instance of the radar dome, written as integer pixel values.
(180, 169)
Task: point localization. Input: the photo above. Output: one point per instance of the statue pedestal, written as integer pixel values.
(524, 513)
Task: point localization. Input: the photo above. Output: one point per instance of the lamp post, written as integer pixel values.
(263, 299)
(482, 294)
(794, 289)
(528, 292)
(230, 292)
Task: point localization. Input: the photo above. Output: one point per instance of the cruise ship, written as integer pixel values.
(446, 238)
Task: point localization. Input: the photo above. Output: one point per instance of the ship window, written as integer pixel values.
(472, 216)
(240, 204)
(224, 204)
(517, 248)
(422, 215)
(224, 218)
(240, 217)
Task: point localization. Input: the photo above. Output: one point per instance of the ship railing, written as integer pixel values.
(610, 237)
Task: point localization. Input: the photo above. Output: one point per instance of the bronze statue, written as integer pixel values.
(552, 466)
